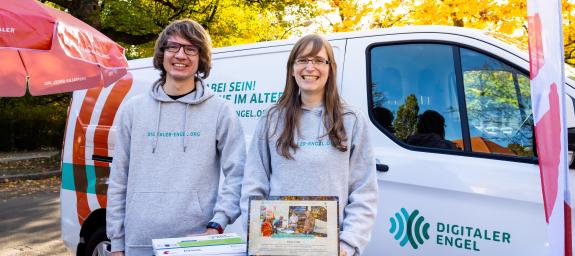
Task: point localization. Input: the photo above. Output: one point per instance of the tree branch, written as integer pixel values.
(126, 38)
(167, 4)
(63, 3)
(213, 14)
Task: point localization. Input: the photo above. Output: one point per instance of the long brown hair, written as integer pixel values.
(289, 105)
(191, 31)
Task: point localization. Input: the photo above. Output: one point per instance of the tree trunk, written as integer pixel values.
(458, 22)
(86, 10)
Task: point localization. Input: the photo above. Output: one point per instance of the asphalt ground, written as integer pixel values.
(30, 204)
(30, 221)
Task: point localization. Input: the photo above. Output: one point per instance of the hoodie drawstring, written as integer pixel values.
(155, 145)
(185, 127)
(321, 126)
(202, 94)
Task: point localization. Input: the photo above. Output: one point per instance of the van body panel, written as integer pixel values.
(447, 202)
(466, 190)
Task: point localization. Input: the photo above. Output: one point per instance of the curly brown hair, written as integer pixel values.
(191, 31)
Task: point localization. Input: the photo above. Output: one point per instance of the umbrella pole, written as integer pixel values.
(25, 69)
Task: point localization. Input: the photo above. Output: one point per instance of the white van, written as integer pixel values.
(483, 198)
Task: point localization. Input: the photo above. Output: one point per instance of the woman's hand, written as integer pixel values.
(122, 254)
(342, 253)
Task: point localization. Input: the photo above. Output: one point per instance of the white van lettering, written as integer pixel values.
(219, 87)
(240, 98)
(241, 86)
(458, 242)
(249, 113)
(244, 113)
(466, 237)
(265, 97)
(506, 237)
(225, 96)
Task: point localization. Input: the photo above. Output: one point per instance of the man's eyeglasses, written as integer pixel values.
(314, 61)
(189, 49)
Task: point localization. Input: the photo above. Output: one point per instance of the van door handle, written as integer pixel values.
(106, 159)
(382, 167)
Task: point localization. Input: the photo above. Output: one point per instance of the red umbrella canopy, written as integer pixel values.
(50, 51)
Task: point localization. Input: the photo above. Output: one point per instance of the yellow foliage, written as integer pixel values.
(350, 14)
(506, 17)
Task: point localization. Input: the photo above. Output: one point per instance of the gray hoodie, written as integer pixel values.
(166, 169)
(318, 169)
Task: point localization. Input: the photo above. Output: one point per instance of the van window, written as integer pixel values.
(414, 98)
(498, 99)
(414, 94)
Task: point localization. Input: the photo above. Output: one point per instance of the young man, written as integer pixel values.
(171, 145)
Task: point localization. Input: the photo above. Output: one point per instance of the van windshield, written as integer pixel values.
(522, 46)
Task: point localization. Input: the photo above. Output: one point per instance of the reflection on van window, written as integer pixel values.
(414, 96)
(498, 101)
(410, 79)
(430, 132)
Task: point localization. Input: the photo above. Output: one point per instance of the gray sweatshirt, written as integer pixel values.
(318, 169)
(166, 169)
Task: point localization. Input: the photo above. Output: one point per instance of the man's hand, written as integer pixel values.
(117, 253)
(342, 253)
(210, 231)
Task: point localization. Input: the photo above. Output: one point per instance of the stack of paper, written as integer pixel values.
(229, 244)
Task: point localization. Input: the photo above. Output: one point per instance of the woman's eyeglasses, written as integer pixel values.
(314, 61)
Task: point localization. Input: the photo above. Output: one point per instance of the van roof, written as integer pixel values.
(488, 37)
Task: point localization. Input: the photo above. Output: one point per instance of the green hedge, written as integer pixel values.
(30, 134)
(31, 123)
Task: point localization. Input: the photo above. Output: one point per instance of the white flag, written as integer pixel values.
(548, 97)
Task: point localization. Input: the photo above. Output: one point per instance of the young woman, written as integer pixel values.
(312, 144)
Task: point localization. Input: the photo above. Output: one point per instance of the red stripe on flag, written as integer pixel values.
(536, 58)
(568, 234)
(549, 150)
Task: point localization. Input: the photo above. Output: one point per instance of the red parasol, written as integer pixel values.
(51, 52)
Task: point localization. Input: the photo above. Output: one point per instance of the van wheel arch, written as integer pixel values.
(95, 221)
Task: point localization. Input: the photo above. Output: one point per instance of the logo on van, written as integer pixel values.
(412, 228)
(409, 228)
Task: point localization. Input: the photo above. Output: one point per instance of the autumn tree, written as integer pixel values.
(569, 31)
(394, 13)
(86, 10)
(406, 120)
(505, 17)
(346, 15)
(136, 23)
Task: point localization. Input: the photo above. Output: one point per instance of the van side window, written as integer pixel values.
(418, 91)
(498, 99)
(414, 94)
